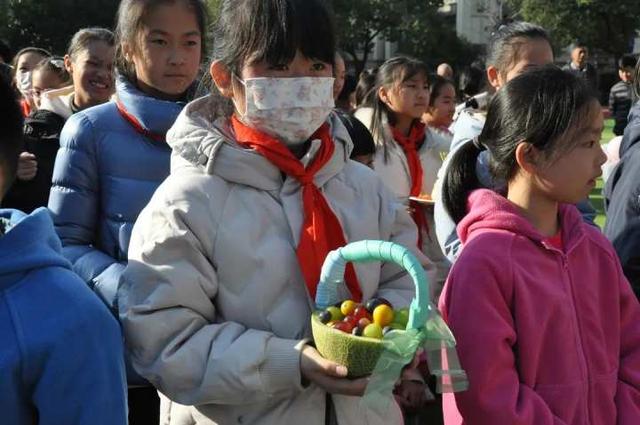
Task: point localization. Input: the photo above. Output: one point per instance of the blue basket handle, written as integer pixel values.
(332, 274)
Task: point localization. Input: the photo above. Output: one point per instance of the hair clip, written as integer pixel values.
(57, 62)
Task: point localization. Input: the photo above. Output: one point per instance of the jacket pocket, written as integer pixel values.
(566, 401)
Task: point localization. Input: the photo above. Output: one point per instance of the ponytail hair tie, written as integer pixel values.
(476, 142)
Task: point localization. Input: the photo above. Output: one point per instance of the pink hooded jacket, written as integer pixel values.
(545, 336)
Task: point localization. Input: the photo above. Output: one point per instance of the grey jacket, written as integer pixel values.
(213, 304)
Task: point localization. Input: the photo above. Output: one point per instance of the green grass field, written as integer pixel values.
(596, 193)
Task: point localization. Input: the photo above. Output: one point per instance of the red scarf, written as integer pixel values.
(137, 125)
(321, 231)
(410, 145)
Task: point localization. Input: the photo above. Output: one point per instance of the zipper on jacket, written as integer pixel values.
(581, 354)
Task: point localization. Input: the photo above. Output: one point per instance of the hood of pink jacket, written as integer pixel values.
(491, 211)
(545, 336)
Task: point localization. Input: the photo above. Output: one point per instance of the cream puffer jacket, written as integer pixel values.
(213, 304)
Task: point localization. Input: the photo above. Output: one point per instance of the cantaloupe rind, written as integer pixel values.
(358, 353)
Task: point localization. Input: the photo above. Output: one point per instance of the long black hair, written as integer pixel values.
(541, 107)
(392, 73)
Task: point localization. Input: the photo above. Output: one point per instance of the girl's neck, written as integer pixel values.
(80, 103)
(536, 207)
(153, 92)
(403, 123)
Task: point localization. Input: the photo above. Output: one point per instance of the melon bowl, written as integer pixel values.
(358, 353)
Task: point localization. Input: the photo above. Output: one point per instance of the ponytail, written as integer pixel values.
(544, 107)
(461, 179)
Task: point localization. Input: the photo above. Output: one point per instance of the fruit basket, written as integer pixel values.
(359, 352)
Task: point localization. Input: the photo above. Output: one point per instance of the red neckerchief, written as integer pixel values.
(410, 145)
(25, 107)
(321, 230)
(556, 240)
(137, 126)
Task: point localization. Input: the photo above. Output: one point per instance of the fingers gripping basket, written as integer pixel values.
(361, 354)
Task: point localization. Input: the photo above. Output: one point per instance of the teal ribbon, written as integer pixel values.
(399, 349)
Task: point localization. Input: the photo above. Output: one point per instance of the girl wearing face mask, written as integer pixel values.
(23, 64)
(113, 156)
(224, 261)
(42, 129)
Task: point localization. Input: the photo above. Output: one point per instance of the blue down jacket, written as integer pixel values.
(105, 173)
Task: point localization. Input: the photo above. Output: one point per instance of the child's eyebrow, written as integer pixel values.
(165, 33)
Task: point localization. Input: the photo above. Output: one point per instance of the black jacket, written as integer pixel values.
(42, 138)
(622, 202)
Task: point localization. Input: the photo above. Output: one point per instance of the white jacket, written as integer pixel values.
(394, 172)
(213, 303)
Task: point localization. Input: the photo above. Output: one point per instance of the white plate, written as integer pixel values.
(422, 200)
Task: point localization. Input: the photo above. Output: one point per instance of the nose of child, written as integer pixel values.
(176, 57)
(602, 157)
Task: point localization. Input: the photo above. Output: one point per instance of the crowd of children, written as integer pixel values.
(160, 250)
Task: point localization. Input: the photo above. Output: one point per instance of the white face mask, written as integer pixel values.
(290, 109)
(24, 83)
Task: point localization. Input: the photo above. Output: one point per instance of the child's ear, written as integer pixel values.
(68, 65)
(527, 157)
(494, 78)
(222, 78)
(127, 52)
(383, 94)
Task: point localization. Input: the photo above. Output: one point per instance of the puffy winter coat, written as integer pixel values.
(213, 303)
(105, 173)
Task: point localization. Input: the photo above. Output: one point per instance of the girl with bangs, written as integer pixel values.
(224, 261)
(409, 153)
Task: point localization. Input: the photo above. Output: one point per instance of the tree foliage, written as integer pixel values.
(50, 24)
(415, 25)
(603, 24)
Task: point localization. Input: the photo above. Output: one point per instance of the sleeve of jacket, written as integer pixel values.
(628, 391)
(623, 217)
(74, 205)
(612, 101)
(82, 379)
(169, 316)
(475, 305)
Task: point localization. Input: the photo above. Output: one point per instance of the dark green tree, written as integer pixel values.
(416, 25)
(431, 37)
(606, 25)
(50, 24)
